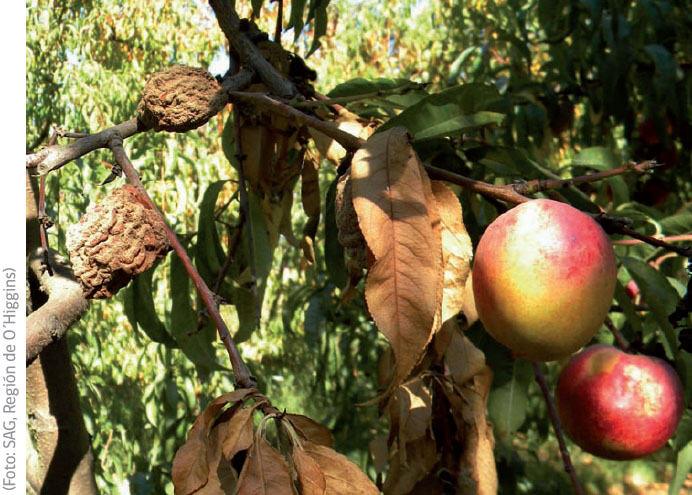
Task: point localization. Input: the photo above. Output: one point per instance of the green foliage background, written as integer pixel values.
(584, 86)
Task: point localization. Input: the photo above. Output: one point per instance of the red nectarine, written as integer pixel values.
(618, 405)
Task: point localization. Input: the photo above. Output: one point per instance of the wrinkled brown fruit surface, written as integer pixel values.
(180, 98)
(115, 241)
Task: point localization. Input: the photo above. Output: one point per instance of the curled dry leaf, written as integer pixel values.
(342, 477)
(469, 307)
(394, 215)
(415, 413)
(332, 150)
(421, 457)
(190, 466)
(265, 471)
(456, 250)
(310, 430)
(477, 473)
(310, 195)
(239, 432)
(464, 360)
(222, 477)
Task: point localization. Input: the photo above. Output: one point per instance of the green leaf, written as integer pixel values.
(244, 302)
(666, 70)
(319, 12)
(682, 469)
(261, 247)
(683, 433)
(677, 224)
(333, 251)
(210, 254)
(597, 157)
(296, 19)
(256, 8)
(145, 311)
(507, 405)
(198, 346)
(450, 112)
(659, 295)
(360, 86)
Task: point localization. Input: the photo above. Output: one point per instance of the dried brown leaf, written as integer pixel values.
(310, 430)
(456, 250)
(469, 308)
(415, 404)
(239, 432)
(331, 149)
(190, 466)
(265, 471)
(421, 457)
(379, 451)
(341, 475)
(463, 359)
(310, 476)
(389, 197)
(222, 476)
(476, 472)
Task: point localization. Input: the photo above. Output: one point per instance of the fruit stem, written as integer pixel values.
(555, 420)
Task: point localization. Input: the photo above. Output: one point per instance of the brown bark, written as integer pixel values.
(59, 457)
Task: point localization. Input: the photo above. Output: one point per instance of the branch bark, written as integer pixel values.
(249, 54)
(65, 305)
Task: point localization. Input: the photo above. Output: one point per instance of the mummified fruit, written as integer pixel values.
(350, 236)
(543, 279)
(115, 240)
(180, 98)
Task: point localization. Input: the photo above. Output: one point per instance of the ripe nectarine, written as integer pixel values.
(543, 279)
(618, 405)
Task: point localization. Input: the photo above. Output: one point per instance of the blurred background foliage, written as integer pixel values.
(585, 85)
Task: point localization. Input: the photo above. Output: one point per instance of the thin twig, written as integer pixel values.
(672, 238)
(616, 226)
(555, 420)
(245, 211)
(279, 22)
(619, 338)
(535, 186)
(243, 378)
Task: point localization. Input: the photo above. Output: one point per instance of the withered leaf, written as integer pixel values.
(309, 474)
(222, 476)
(389, 196)
(402, 476)
(310, 430)
(415, 403)
(331, 149)
(265, 471)
(190, 469)
(456, 250)
(463, 359)
(379, 451)
(239, 432)
(469, 308)
(341, 475)
(477, 473)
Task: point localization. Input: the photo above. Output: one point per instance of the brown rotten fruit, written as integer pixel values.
(543, 279)
(617, 405)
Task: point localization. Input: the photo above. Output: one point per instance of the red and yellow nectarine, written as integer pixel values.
(543, 279)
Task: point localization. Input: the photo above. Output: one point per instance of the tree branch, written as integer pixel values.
(535, 186)
(243, 378)
(65, 305)
(249, 54)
